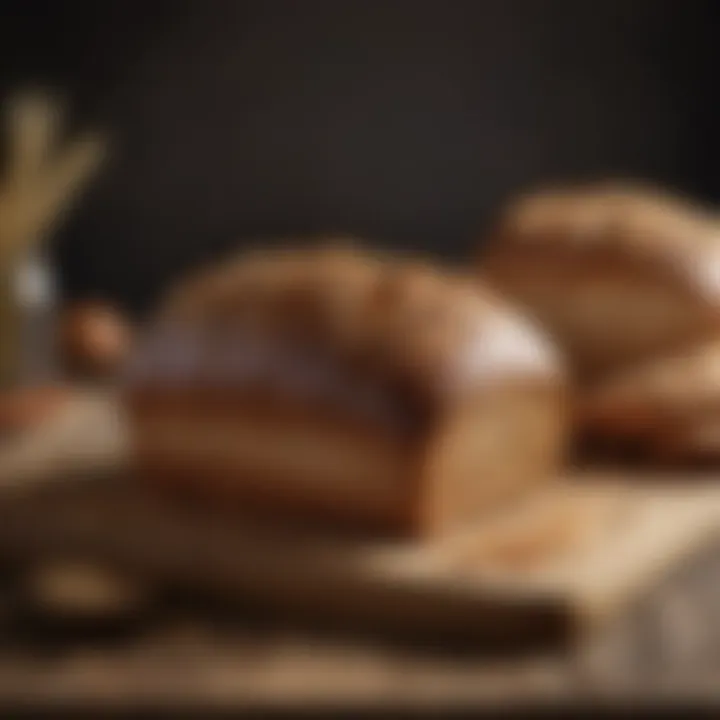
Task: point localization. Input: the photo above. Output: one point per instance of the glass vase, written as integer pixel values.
(10, 311)
(27, 322)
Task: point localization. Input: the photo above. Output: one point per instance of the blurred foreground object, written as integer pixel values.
(42, 180)
(84, 437)
(616, 273)
(83, 592)
(349, 388)
(94, 339)
(24, 408)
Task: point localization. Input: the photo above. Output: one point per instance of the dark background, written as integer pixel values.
(408, 122)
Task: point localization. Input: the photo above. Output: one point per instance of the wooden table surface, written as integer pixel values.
(188, 654)
(185, 653)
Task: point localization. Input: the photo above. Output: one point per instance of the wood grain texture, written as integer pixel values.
(560, 564)
(195, 656)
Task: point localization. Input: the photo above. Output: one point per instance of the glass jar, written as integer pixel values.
(8, 330)
(27, 321)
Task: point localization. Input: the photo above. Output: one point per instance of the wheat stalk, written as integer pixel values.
(43, 177)
(41, 181)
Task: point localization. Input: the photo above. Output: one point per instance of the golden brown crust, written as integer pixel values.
(616, 273)
(343, 386)
(408, 324)
(330, 474)
(671, 406)
(624, 219)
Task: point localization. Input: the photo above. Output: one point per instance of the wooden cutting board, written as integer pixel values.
(554, 567)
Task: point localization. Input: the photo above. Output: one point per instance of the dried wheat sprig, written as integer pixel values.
(33, 123)
(42, 179)
(59, 186)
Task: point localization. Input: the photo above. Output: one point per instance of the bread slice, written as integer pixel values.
(345, 388)
(615, 273)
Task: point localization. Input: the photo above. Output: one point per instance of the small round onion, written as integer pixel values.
(94, 339)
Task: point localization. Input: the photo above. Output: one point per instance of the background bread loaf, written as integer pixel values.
(616, 273)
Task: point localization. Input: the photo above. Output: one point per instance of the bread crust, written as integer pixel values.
(430, 334)
(329, 383)
(616, 273)
(669, 407)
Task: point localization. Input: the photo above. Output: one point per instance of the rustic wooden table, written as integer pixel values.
(184, 653)
(182, 650)
(187, 654)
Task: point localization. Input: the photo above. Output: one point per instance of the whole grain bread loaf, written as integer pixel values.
(343, 386)
(661, 411)
(616, 273)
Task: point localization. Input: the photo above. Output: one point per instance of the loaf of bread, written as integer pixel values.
(665, 411)
(346, 388)
(616, 274)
